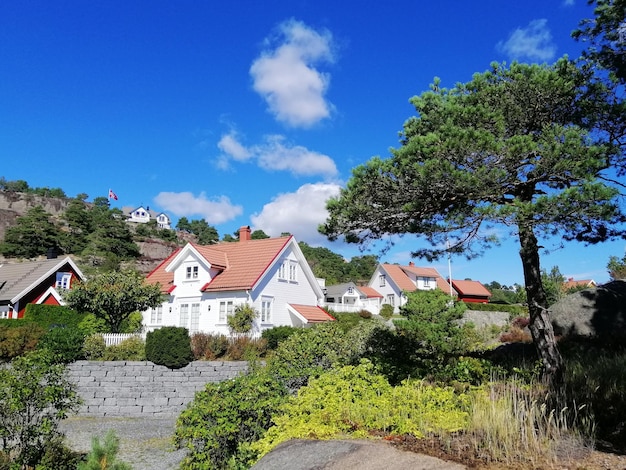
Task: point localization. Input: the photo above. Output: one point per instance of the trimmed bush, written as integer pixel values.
(169, 346)
(19, 338)
(517, 310)
(131, 349)
(386, 311)
(93, 347)
(65, 344)
(49, 316)
(274, 336)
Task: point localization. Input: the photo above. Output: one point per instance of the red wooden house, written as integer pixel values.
(35, 282)
(471, 291)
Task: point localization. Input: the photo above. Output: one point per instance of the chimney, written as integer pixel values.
(411, 263)
(244, 233)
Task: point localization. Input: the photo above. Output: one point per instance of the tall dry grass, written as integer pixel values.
(512, 424)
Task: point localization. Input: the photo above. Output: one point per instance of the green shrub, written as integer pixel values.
(386, 311)
(365, 314)
(93, 347)
(48, 316)
(468, 370)
(131, 349)
(274, 336)
(225, 417)
(91, 324)
(169, 346)
(209, 346)
(132, 324)
(514, 310)
(65, 344)
(19, 338)
(57, 456)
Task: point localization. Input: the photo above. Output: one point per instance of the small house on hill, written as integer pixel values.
(348, 297)
(37, 282)
(203, 285)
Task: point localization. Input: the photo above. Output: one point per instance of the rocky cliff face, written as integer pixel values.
(14, 205)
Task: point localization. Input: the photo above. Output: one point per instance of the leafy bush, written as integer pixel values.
(131, 349)
(468, 370)
(57, 456)
(240, 322)
(308, 352)
(91, 324)
(517, 332)
(242, 347)
(365, 314)
(386, 311)
(65, 344)
(19, 338)
(35, 395)
(169, 346)
(132, 324)
(274, 336)
(209, 345)
(226, 416)
(93, 347)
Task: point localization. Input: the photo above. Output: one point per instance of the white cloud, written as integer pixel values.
(298, 213)
(231, 147)
(568, 3)
(215, 211)
(531, 43)
(286, 77)
(277, 155)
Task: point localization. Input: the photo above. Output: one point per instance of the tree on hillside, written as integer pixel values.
(33, 235)
(114, 296)
(206, 234)
(617, 267)
(506, 149)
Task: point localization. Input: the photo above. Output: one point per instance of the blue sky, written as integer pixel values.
(252, 113)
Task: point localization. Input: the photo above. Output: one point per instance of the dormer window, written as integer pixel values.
(63, 280)
(382, 280)
(192, 272)
(350, 290)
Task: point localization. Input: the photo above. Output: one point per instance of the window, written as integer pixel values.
(63, 280)
(426, 282)
(293, 271)
(156, 315)
(266, 309)
(194, 327)
(391, 299)
(351, 290)
(184, 315)
(4, 314)
(382, 280)
(281, 271)
(226, 309)
(192, 272)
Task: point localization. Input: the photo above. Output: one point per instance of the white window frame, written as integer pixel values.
(156, 315)
(391, 299)
(194, 325)
(293, 271)
(4, 314)
(282, 271)
(191, 272)
(382, 280)
(226, 309)
(350, 290)
(267, 304)
(64, 282)
(183, 319)
(427, 282)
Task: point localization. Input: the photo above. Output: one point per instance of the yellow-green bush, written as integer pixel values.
(355, 401)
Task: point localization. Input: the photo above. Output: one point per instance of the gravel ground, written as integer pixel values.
(145, 443)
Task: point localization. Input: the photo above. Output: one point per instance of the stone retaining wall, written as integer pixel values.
(140, 388)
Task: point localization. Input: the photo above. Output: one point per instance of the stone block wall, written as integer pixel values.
(141, 388)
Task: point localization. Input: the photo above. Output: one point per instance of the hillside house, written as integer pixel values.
(204, 284)
(143, 215)
(36, 282)
(348, 297)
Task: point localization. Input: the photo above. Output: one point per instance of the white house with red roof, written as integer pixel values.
(392, 280)
(348, 297)
(203, 284)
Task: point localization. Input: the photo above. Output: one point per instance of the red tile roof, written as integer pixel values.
(312, 313)
(370, 292)
(404, 283)
(399, 277)
(473, 288)
(241, 263)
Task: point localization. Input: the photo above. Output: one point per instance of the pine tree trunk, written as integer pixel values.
(540, 325)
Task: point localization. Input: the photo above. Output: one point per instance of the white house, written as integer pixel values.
(391, 280)
(348, 297)
(143, 215)
(204, 284)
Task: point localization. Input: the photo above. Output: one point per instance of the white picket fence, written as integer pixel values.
(111, 339)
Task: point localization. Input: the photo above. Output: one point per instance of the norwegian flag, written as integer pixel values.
(112, 195)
